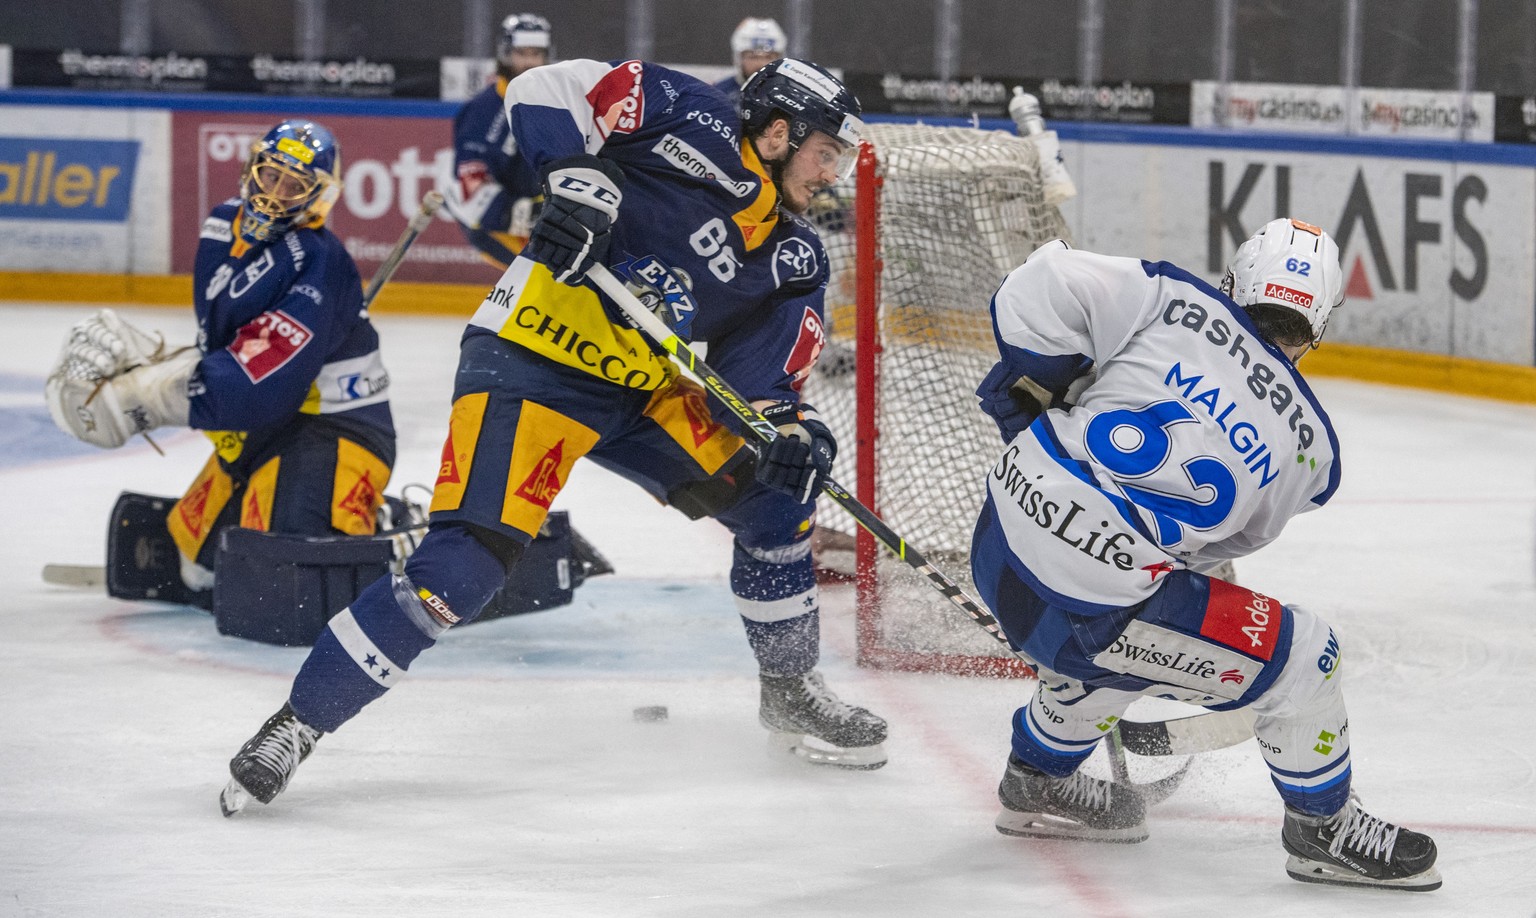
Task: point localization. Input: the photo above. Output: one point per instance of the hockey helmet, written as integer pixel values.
(523, 30)
(810, 98)
(760, 35)
(1290, 264)
(291, 178)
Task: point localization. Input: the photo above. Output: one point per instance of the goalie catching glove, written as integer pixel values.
(799, 459)
(112, 381)
(581, 201)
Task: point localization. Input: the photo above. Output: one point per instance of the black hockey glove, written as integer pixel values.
(800, 458)
(581, 201)
(1010, 400)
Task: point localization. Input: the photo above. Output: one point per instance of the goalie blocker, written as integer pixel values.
(282, 589)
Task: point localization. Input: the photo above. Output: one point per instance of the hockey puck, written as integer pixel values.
(651, 714)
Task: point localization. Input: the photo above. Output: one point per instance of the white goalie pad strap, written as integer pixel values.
(363, 651)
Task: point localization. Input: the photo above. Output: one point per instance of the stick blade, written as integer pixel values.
(78, 576)
(1187, 735)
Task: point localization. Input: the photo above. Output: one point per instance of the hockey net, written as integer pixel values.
(919, 239)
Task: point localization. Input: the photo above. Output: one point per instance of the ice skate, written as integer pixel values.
(267, 761)
(806, 719)
(1354, 848)
(1037, 805)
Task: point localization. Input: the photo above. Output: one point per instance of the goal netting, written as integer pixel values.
(919, 239)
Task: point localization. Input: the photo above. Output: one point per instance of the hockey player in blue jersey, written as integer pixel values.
(286, 377)
(1197, 441)
(494, 194)
(755, 44)
(650, 172)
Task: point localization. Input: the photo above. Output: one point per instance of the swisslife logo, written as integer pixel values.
(48, 178)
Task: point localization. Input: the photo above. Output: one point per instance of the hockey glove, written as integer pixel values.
(799, 459)
(1011, 400)
(104, 345)
(105, 412)
(581, 201)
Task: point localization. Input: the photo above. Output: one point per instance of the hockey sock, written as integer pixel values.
(367, 647)
(1302, 725)
(776, 595)
(1057, 730)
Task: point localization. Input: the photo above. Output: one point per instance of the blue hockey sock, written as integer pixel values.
(363, 651)
(776, 595)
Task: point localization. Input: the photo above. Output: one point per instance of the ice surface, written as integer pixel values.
(507, 776)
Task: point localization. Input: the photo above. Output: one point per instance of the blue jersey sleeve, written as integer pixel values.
(265, 374)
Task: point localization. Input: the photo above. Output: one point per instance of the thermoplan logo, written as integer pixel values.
(47, 178)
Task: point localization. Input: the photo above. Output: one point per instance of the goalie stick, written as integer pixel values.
(430, 202)
(1149, 734)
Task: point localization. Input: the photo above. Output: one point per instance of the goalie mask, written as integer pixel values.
(291, 179)
(811, 99)
(1290, 264)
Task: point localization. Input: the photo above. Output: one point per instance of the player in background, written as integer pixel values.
(1197, 441)
(755, 44)
(652, 172)
(286, 377)
(494, 194)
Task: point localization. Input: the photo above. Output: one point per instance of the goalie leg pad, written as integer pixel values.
(281, 589)
(142, 559)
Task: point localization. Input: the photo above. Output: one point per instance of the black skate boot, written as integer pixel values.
(805, 718)
(267, 761)
(1354, 848)
(1037, 805)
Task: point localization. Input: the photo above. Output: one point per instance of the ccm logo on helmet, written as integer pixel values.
(1287, 295)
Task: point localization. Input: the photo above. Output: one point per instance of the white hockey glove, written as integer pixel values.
(800, 458)
(581, 201)
(106, 411)
(106, 345)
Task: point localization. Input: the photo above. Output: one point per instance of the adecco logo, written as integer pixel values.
(1287, 295)
(371, 187)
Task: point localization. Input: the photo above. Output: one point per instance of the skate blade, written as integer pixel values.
(1044, 825)
(1308, 871)
(807, 749)
(234, 798)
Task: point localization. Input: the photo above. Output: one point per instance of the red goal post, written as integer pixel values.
(919, 239)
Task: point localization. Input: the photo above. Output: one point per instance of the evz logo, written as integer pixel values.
(253, 272)
(794, 260)
(678, 304)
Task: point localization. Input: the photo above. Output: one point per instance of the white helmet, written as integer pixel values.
(1291, 264)
(758, 35)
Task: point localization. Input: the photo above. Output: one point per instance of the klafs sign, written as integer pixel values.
(1436, 253)
(388, 164)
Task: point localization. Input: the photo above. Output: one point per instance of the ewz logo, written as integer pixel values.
(49, 178)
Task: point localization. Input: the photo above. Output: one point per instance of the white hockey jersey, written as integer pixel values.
(1198, 440)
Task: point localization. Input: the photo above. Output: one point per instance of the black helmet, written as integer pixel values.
(806, 94)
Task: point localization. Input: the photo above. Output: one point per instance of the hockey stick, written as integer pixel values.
(658, 331)
(430, 202)
(1219, 729)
